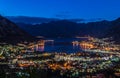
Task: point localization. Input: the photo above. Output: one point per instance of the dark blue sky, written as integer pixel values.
(86, 9)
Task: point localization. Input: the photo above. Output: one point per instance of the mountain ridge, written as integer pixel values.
(60, 27)
(38, 20)
(67, 28)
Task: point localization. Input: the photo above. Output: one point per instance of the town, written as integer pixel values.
(98, 58)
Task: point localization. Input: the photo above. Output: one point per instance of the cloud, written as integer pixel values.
(63, 14)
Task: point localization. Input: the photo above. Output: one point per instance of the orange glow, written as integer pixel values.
(87, 45)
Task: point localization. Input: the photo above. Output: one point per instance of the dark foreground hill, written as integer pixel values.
(114, 31)
(11, 33)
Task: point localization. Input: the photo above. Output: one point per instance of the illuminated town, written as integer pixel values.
(59, 38)
(98, 58)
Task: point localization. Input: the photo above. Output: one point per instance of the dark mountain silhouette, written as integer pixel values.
(30, 20)
(10, 32)
(37, 20)
(65, 28)
(69, 28)
(53, 29)
(115, 30)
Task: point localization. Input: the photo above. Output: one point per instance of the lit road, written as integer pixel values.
(100, 51)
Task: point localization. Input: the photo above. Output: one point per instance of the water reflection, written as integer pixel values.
(59, 46)
(40, 48)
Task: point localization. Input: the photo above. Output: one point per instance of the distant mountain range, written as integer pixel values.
(10, 32)
(65, 28)
(39, 20)
(51, 27)
(30, 20)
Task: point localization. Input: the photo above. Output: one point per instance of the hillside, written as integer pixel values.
(30, 20)
(39, 20)
(65, 28)
(10, 32)
(115, 30)
(68, 28)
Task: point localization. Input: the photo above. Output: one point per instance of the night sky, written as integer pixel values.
(86, 9)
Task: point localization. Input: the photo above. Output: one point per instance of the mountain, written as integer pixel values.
(66, 28)
(39, 20)
(10, 32)
(30, 20)
(48, 27)
(61, 28)
(114, 31)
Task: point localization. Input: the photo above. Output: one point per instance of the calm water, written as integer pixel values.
(61, 45)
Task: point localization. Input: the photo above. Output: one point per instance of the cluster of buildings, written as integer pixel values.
(96, 58)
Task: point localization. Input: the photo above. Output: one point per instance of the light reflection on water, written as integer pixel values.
(60, 45)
